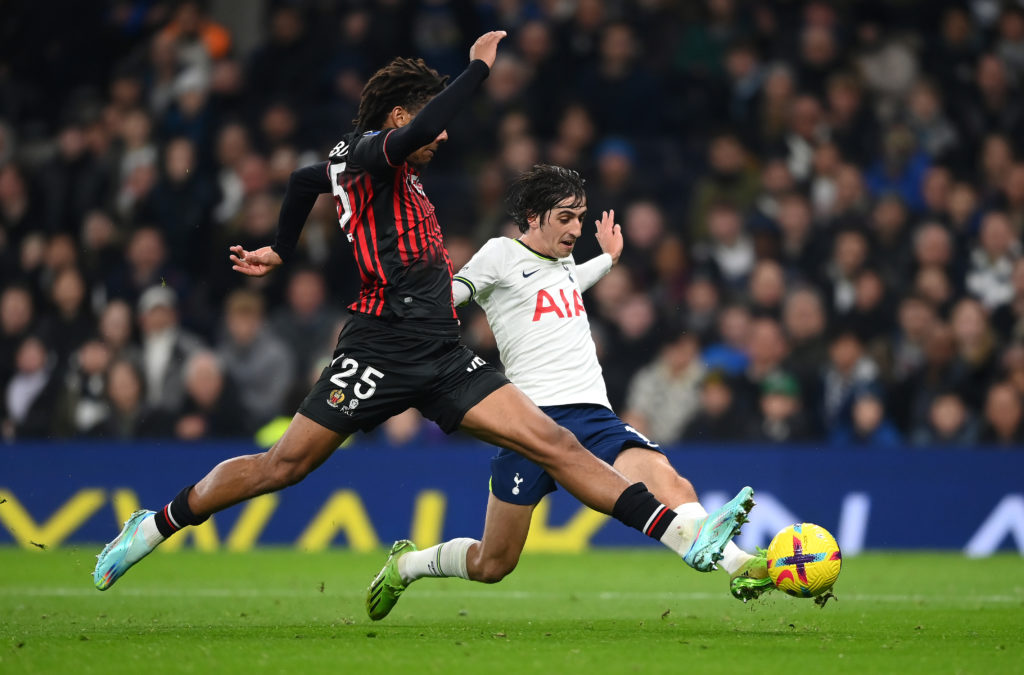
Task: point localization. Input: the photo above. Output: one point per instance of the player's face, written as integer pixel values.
(555, 235)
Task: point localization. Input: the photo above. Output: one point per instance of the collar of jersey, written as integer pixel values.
(539, 255)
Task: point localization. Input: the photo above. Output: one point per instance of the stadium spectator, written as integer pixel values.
(128, 415)
(730, 180)
(766, 350)
(976, 361)
(849, 371)
(82, 405)
(182, 201)
(853, 128)
(285, 66)
(767, 289)
(165, 348)
(643, 228)
(989, 276)
(1004, 417)
(31, 392)
(926, 118)
(197, 37)
(719, 419)
(306, 323)
(74, 181)
(663, 397)
(949, 423)
(700, 308)
(804, 322)
(871, 314)
(799, 244)
(256, 360)
(728, 252)
(869, 425)
(17, 318)
(212, 408)
(72, 320)
(781, 418)
(1007, 319)
(891, 237)
(849, 255)
(116, 330)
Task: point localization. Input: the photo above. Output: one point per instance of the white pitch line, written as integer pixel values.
(165, 592)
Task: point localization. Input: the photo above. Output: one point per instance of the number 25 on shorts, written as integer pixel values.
(367, 383)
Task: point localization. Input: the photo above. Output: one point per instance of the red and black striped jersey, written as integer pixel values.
(385, 213)
(382, 208)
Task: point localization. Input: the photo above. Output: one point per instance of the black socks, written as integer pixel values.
(177, 515)
(639, 509)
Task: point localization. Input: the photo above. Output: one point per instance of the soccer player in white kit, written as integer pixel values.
(531, 290)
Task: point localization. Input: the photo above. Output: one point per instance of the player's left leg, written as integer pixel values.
(488, 560)
(304, 446)
(748, 573)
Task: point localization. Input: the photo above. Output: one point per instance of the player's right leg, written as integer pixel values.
(488, 560)
(304, 446)
(507, 418)
(748, 573)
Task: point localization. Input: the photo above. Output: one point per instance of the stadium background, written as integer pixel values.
(823, 205)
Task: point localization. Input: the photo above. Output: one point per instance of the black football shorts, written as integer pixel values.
(379, 371)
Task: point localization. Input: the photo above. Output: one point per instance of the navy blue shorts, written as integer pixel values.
(517, 480)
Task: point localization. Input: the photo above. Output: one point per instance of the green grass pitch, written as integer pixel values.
(626, 611)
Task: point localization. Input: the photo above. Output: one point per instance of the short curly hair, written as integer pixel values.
(409, 83)
(539, 189)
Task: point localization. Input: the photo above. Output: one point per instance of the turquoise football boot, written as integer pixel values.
(717, 529)
(127, 549)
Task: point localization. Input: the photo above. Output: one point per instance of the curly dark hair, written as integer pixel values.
(539, 189)
(409, 83)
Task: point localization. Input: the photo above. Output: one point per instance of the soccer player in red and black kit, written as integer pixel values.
(402, 348)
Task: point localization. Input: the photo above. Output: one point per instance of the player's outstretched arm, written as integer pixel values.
(609, 237)
(435, 116)
(304, 186)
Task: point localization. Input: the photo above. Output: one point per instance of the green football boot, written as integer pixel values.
(387, 586)
(751, 581)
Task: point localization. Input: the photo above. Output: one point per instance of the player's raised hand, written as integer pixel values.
(254, 263)
(609, 235)
(486, 47)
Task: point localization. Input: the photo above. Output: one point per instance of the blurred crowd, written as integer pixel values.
(822, 202)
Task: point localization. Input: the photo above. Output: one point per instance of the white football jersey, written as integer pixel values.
(534, 305)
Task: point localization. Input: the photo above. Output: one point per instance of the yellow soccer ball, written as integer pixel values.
(804, 560)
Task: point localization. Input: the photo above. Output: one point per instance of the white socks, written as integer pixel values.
(447, 559)
(683, 529)
(681, 532)
(734, 558)
(151, 535)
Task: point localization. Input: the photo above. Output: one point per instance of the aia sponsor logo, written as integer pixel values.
(549, 304)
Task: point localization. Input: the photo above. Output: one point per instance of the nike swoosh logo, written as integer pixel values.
(531, 273)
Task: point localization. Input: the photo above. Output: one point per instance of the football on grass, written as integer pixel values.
(804, 560)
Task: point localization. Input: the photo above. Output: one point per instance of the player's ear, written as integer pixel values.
(399, 117)
(533, 221)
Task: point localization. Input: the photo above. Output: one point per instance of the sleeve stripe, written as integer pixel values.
(469, 284)
(384, 148)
